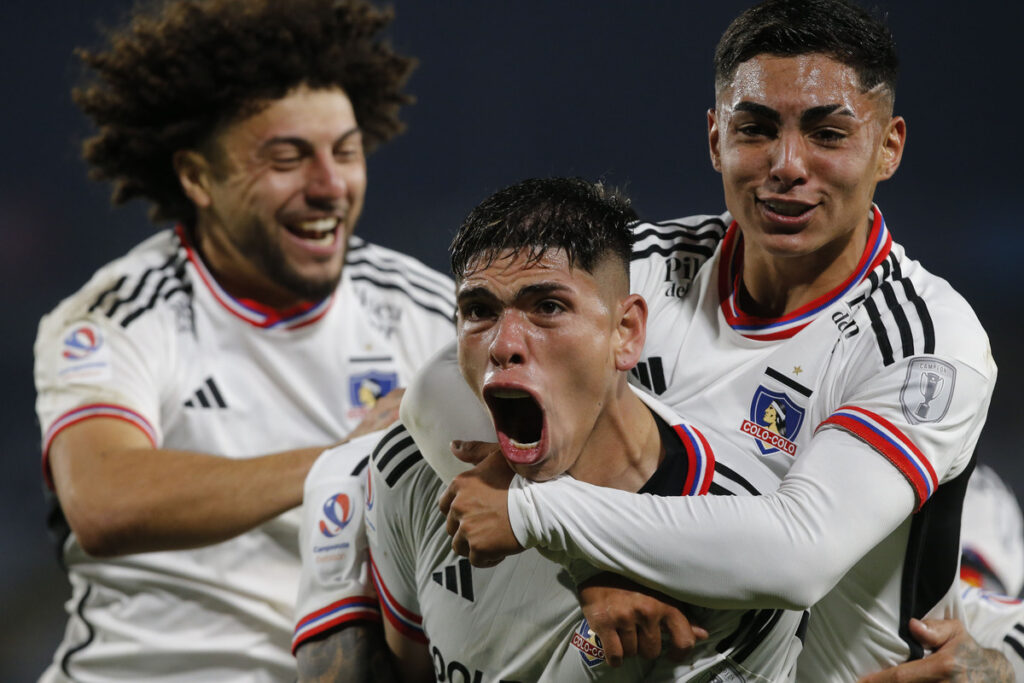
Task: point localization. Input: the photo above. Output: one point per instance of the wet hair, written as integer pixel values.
(788, 28)
(171, 77)
(589, 221)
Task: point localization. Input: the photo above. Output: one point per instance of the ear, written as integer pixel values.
(716, 156)
(892, 147)
(194, 174)
(632, 332)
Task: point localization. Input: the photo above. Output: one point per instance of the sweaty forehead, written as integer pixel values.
(804, 80)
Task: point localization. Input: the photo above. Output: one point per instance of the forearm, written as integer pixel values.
(356, 654)
(120, 497)
(784, 550)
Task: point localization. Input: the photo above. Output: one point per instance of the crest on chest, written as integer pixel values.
(776, 416)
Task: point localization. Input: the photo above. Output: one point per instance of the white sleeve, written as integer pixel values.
(837, 502)
(88, 365)
(438, 407)
(996, 622)
(334, 586)
(401, 504)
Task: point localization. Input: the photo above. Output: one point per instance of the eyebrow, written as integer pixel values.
(808, 116)
(303, 143)
(537, 289)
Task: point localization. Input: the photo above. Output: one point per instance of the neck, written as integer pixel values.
(772, 285)
(625, 449)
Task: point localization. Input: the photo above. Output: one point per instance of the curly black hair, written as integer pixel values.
(171, 76)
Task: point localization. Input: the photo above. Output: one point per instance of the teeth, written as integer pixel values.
(319, 225)
(324, 240)
(510, 393)
(524, 446)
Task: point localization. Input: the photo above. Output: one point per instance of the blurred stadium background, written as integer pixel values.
(506, 90)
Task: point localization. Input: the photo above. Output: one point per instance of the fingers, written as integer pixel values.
(612, 645)
(682, 635)
(920, 671)
(648, 639)
(934, 633)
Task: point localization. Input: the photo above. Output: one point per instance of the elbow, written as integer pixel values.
(100, 533)
(802, 581)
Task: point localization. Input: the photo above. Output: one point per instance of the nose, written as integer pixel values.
(508, 345)
(788, 165)
(326, 180)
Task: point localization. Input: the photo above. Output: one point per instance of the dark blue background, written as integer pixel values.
(510, 89)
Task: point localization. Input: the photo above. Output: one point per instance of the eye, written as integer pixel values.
(284, 157)
(754, 130)
(475, 311)
(550, 307)
(830, 136)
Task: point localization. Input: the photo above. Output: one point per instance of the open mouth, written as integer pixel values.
(320, 232)
(519, 422)
(784, 209)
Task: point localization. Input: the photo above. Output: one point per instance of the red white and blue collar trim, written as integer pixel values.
(767, 329)
(252, 311)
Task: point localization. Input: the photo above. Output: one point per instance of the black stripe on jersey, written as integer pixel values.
(89, 637)
(140, 285)
(902, 324)
(176, 276)
(880, 334)
(733, 476)
(792, 384)
(385, 442)
(927, 328)
(894, 295)
(103, 295)
(360, 466)
(763, 626)
(931, 562)
(1017, 647)
(717, 489)
(698, 249)
(726, 643)
(691, 232)
(401, 468)
(442, 290)
(447, 315)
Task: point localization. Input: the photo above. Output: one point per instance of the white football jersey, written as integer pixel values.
(521, 620)
(153, 340)
(997, 622)
(892, 357)
(992, 535)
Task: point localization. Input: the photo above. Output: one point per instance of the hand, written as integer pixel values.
(476, 504)
(630, 618)
(956, 658)
(382, 414)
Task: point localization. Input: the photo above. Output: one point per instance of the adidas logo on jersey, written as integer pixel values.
(651, 374)
(457, 578)
(206, 396)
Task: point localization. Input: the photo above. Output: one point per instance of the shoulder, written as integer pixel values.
(384, 273)
(909, 311)
(697, 235)
(397, 467)
(149, 281)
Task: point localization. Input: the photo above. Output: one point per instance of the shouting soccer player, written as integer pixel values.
(260, 325)
(547, 330)
(797, 299)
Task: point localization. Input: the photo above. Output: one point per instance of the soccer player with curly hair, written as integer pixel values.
(185, 391)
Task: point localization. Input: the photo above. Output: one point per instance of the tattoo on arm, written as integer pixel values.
(356, 653)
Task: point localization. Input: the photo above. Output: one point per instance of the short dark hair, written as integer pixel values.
(587, 220)
(170, 77)
(786, 28)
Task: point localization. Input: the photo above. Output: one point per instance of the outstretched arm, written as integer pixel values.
(121, 495)
(838, 501)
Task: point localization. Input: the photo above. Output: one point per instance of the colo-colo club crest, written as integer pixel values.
(774, 421)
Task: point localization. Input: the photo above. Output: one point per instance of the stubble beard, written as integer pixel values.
(267, 256)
